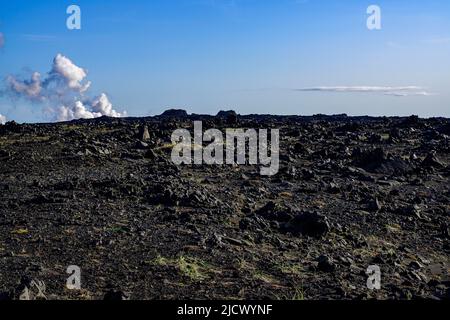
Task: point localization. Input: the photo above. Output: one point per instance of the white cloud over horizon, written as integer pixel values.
(403, 91)
(63, 91)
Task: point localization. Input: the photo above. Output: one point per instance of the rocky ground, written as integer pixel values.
(102, 195)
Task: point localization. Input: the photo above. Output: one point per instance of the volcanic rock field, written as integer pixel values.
(104, 195)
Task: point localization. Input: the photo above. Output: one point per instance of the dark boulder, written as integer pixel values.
(230, 116)
(275, 212)
(175, 113)
(310, 224)
(378, 161)
(115, 296)
(431, 161)
(325, 264)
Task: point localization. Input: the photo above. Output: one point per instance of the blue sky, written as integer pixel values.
(247, 55)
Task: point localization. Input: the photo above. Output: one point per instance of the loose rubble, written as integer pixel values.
(103, 194)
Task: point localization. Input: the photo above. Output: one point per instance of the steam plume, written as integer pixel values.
(64, 92)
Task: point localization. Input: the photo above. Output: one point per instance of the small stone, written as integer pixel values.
(375, 205)
(415, 265)
(116, 295)
(141, 145)
(144, 135)
(150, 154)
(325, 264)
(431, 161)
(310, 224)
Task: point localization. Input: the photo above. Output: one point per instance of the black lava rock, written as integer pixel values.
(310, 224)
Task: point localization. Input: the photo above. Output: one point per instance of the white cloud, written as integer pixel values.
(407, 94)
(30, 88)
(63, 78)
(103, 106)
(90, 109)
(2, 119)
(391, 91)
(76, 111)
(65, 70)
(64, 91)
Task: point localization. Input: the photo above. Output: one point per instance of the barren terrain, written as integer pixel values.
(351, 192)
